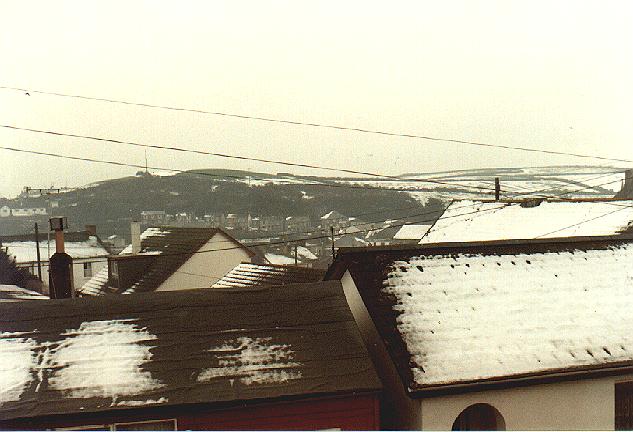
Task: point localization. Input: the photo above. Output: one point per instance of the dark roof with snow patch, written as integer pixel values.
(208, 346)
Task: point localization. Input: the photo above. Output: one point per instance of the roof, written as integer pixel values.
(209, 346)
(491, 312)
(171, 246)
(97, 285)
(411, 232)
(13, 293)
(333, 215)
(246, 274)
(77, 244)
(467, 221)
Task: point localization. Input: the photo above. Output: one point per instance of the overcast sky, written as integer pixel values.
(553, 75)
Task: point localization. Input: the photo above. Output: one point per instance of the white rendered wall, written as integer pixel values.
(204, 269)
(575, 405)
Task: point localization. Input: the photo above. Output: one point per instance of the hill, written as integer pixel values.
(112, 204)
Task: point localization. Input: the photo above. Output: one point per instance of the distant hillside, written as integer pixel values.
(112, 204)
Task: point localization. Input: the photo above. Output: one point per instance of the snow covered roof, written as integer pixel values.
(12, 293)
(303, 254)
(466, 221)
(478, 313)
(77, 245)
(247, 274)
(210, 346)
(171, 247)
(411, 232)
(97, 284)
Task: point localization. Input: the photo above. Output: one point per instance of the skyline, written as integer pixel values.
(498, 78)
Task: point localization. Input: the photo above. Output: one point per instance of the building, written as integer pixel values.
(467, 221)
(275, 358)
(87, 251)
(510, 335)
(411, 233)
(5, 211)
(249, 275)
(28, 212)
(13, 293)
(168, 259)
(153, 217)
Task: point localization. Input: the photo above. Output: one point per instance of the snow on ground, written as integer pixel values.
(569, 309)
(103, 359)
(17, 365)
(466, 221)
(252, 361)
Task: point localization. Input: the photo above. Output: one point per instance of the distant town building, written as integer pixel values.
(149, 217)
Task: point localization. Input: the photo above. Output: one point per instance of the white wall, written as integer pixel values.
(577, 405)
(78, 270)
(204, 269)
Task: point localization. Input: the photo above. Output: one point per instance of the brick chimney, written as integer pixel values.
(60, 276)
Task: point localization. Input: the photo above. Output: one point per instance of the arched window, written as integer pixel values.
(479, 416)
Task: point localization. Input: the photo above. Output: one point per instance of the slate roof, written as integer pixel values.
(246, 274)
(209, 346)
(171, 246)
(468, 221)
(13, 293)
(468, 314)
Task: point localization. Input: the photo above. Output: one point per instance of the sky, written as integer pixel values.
(551, 75)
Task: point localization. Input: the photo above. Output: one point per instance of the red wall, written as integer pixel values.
(356, 412)
(351, 413)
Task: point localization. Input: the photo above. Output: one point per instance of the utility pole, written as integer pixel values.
(333, 252)
(497, 188)
(37, 249)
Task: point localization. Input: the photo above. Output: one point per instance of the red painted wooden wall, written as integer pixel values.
(351, 413)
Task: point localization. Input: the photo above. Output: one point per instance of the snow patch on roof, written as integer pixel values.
(467, 221)
(103, 359)
(26, 251)
(252, 361)
(17, 362)
(16, 293)
(411, 232)
(470, 317)
(279, 259)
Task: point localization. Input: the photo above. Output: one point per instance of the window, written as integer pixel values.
(624, 406)
(87, 269)
(479, 416)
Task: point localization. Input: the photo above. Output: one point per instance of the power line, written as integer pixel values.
(223, 155)
(201, 173)
(318, 125)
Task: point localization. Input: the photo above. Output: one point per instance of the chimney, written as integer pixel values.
(60, 276)
(135, 230)
(91, 230)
